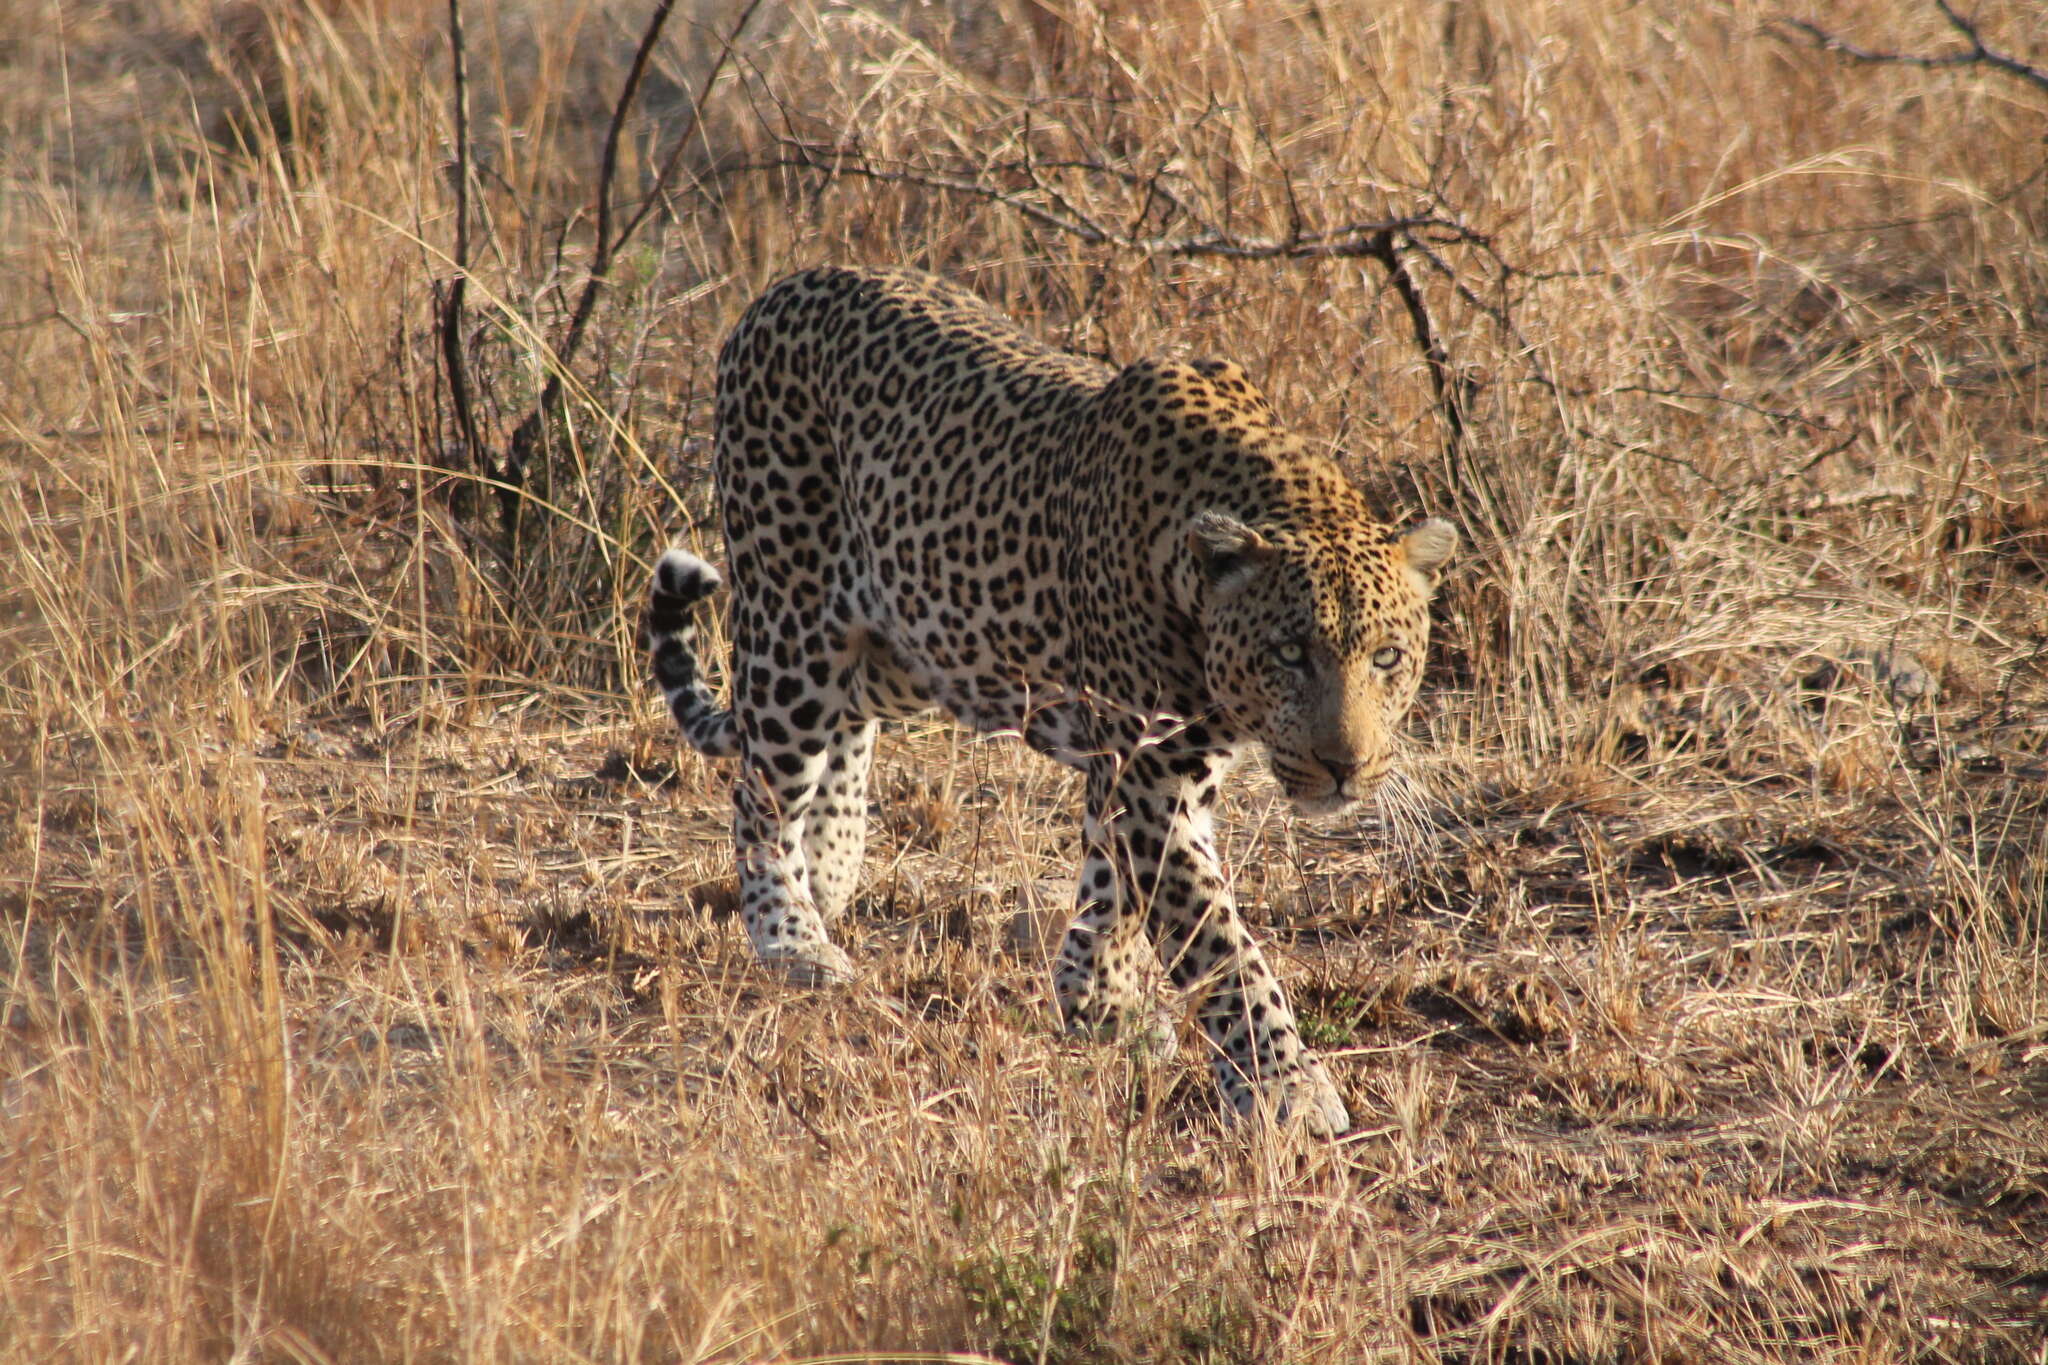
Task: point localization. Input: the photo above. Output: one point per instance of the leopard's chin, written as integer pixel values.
(1329, 803)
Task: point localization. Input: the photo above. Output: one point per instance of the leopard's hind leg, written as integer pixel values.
(836, 826)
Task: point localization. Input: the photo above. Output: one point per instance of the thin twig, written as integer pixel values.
(789, 1106)
(1454, 390)
(528, 434)
(1692, 396)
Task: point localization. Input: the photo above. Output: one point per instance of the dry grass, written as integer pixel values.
(366, 985)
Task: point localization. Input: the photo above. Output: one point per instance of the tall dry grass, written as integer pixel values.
(367, 989)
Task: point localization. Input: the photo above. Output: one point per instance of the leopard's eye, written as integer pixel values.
(1386, 656)
(1292, 653)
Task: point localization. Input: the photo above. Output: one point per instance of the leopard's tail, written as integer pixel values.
(681, 580)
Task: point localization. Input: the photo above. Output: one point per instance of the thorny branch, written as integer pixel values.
(1978, 53)
(666, 175)
(1455, 389)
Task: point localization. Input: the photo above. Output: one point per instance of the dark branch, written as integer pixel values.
(1978, 53)
(690, 125)
(529, 433)
(1380, 240)
(1349, 239)
(1783, 416)
(453, 309)
(1455, 389)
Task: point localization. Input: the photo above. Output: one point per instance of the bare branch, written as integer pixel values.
(453, 309)
(528, 434)
(1978, 53)
(1380, 240)
(1782, 416)
(659, 192)
(1455, 389)
(1349, 239)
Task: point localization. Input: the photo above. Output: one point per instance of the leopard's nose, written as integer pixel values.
(1340, 772)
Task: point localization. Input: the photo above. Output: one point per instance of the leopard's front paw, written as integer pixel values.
(1153, 1030)
(1303, 1098)
(814, 963)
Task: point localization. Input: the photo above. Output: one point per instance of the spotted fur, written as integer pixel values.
(1139, 572)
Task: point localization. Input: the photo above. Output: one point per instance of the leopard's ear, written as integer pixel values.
(1428, 546)
(1226, 548)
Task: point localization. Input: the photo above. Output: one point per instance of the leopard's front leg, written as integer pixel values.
(1098, 981)
(1255, 1044)
(1159, 858)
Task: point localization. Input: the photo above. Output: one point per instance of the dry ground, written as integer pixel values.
(366, 990)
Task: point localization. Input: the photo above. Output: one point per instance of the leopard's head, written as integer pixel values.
(1315, 630)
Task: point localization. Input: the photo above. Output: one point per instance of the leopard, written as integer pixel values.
(1138, 571)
